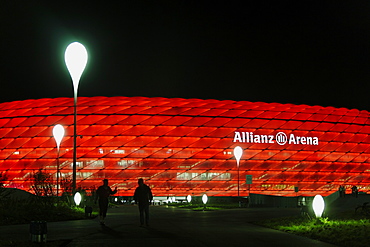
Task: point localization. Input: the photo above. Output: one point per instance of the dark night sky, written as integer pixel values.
(300, 52)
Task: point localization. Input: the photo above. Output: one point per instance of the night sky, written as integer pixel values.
(300, 52)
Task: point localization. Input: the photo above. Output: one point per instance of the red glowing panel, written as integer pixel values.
(185, 146)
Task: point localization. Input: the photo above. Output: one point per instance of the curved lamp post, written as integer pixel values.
(75, 58)
(238, 151)
(58, 133)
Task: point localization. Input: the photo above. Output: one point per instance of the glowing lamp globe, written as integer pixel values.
(318, 205)
(238, 151)
(75, 58)
(188, 198)
(58, 133)
(77, 198)
(204, 198)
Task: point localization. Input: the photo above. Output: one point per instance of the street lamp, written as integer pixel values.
(238, 151)
(75, 58)
(188, 198)
(204, 200)
(318, 205)
(58, 133)
(77, 198)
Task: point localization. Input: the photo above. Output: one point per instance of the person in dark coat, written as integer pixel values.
(103, 193)
(143, 197)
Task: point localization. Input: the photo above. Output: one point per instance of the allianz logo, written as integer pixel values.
(280, 138)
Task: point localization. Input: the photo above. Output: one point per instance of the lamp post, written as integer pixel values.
(238, 151)
(58, 133)
(75, 58)
(204, 200)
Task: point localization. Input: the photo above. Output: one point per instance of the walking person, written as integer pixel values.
(143, 197)
(102, 194)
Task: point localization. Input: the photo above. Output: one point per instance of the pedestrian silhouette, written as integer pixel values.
(342, 191)
(143, 197)
(102, 194)
(354, 191)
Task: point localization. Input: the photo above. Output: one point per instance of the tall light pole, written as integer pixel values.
(75, 58)
(238, 151)
(58, 133)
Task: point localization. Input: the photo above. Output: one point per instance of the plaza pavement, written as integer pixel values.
(170, 226)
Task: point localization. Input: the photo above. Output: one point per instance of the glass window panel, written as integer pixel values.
(346, 147)
(159, 130)
(89, 120)
(162, 141)
(176, 111)
(342, 137)
(213, 112)
(197, 121)
(205, 142)
(137, 130)
(183, 142)
(155, 110)
(353, 128)
(331, 146)
(133, 110)
(93, 130)
(115, 130)
(232, 113)
(221, 132)
(117, 141)
(143, 152)
(5, 131)
(359, 148)
(195, 111)
(141, 141)
(291, 125)
(36, 141)
(15, 122)
(16, 132)
(218, 122)
(285, 115)
(180, 131)
(165, 152)
(4, 142)
(201, 131)
(156, 120)
(238, 123)
(115, 109)
(177, 120)
(133, 120)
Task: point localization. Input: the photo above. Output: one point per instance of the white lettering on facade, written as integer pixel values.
(280, 138)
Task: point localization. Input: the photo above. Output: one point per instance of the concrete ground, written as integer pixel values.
(171, 227)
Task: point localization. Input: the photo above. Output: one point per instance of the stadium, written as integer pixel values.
(185, 146)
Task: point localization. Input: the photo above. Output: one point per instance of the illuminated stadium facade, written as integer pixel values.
(185, 146)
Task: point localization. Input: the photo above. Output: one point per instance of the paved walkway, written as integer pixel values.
(171, 227)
